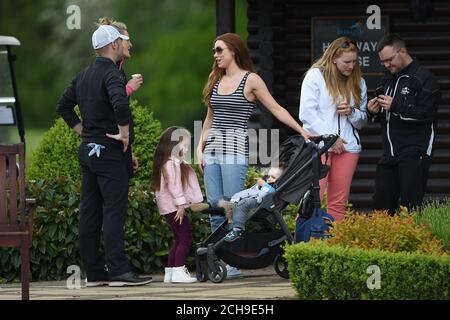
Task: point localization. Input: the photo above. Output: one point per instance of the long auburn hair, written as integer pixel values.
(167, 147)
(241, 56)
(338, 84)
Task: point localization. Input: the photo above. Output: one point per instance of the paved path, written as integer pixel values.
(257, 284)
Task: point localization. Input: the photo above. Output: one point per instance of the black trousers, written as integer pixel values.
(401, 180)
(104, 204)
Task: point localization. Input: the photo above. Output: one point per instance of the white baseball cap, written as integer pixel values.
(104, 35)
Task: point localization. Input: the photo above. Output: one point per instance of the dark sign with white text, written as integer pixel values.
(326, 29)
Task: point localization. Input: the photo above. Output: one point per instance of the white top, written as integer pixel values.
(318, 111)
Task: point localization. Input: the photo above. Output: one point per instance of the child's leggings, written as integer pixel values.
(182, 239)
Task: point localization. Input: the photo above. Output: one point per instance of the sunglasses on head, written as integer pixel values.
(218, 50)
(346, 44)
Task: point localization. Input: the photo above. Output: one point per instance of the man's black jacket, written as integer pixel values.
(99, 91)
(411, 122)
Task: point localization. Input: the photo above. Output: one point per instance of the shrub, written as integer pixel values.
(55, 243)
(436, 216)
(320, 271)
(147, 133)
(56, 154)
(381, 231)
(253, 173)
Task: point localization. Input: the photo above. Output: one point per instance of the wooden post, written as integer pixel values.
(225, 16)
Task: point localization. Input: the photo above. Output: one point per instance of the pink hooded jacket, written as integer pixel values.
(171, 192)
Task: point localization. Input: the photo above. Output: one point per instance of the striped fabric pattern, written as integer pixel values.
(228, 134)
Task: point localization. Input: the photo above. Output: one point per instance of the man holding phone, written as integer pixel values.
(406, 104)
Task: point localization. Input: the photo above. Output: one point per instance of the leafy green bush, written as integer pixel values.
(320, 271)
(147, 132)
(56, 154)
(384, 232)
(55, 243)
(436, 216)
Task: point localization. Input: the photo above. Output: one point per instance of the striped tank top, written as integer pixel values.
(229, 130)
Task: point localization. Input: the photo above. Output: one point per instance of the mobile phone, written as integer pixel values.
(379, 91)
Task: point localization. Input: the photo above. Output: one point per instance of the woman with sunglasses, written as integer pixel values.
(230, 95)
(334, 100)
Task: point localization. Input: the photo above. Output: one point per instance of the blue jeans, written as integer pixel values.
(241, 212)
(224, 175)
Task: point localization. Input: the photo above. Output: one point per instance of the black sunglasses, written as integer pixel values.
(346, 44)
(218, 50)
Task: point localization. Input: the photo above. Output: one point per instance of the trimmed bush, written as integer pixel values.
(436, 217)
(55, 245)
(379, 230)
(147, 132)
(320, 271)
(56, 154)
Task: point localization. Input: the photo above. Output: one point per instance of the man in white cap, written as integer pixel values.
(105, 159)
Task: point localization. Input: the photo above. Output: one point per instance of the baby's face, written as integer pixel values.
(274, 174)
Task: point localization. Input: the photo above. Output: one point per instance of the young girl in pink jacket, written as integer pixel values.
(176, 186)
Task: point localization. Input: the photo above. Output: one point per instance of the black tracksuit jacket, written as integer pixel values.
(410, 125)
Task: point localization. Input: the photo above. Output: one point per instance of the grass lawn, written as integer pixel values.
(437, 217)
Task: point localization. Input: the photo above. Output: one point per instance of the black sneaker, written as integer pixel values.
(129, 279)
(233, 235)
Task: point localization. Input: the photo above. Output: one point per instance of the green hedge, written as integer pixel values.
(56, 154)
(320, 271)
(379, 230)
(55, 243)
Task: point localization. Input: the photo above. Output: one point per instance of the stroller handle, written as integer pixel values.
(328, 140)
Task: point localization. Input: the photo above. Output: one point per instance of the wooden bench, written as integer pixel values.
(16, 212)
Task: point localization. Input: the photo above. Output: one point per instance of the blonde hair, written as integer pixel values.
(120, 26)
(337, 84)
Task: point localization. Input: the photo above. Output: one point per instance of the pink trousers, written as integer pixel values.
(338, 181)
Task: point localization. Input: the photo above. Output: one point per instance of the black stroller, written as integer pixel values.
(267, 231)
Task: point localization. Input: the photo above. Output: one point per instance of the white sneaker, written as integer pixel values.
(182, 275)
(167, 275)
(234, 273)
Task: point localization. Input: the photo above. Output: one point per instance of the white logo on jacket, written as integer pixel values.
(405, 91)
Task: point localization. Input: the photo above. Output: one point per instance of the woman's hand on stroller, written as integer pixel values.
(338, 146)
(180, 214)
(306, 135)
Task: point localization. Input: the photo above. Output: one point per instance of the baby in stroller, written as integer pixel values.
(263, 241)
(239, 207)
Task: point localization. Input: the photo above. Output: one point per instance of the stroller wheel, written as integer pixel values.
(281, 266)
(219, 273)
(201, 272)
(201, 264)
